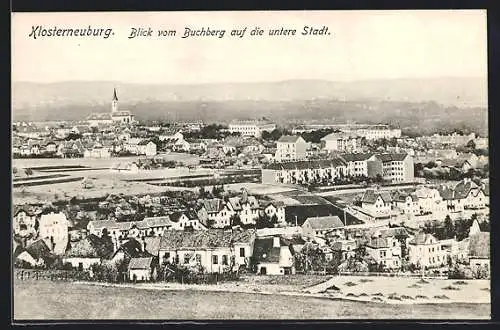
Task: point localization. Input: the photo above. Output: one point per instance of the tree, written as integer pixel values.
(449, 230)
(471, 144)
(235, 220)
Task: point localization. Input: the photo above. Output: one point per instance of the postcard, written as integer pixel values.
(250, 165)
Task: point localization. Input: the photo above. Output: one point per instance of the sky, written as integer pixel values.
(362, 45)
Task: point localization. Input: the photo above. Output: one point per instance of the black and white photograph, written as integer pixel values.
(250, 165)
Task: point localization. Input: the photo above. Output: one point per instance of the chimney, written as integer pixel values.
(276, 241)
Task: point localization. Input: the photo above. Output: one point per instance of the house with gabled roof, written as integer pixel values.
(186, 220)
(214, 250)
(406, 202)
(465, 195)
(146, 148)
(377, 203)
(275, 208)
(425, 250)
(141, 269)
(479, 251)
(89, 251)
(321, 226)
(246, 207)
(273, 256)
(214, 213)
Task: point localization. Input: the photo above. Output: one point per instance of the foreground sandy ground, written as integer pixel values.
(366, 289)
(39, 300)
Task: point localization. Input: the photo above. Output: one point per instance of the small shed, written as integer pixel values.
(142, 269)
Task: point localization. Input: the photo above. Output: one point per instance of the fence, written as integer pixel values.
(210, 278)
(53, 275)
(405, 275)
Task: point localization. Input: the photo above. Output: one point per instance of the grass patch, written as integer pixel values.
(460, 283)
(441, 297)
(414, 286)
(422, 281)
(450, 287)
(350, 284)
(421, 297)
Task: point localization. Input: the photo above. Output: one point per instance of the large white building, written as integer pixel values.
(397, 167)
(54, 228)
(376, 132)
(251, 127)
(291, 147)
(343, 142)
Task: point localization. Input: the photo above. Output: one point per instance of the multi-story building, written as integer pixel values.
(251, 127)
(291, 147)
(430, 201)
(213, 250)
(375, 132)
(340, 142)
(397, 168)
(302, 172)
(54, 228)
(357, 164)
(427, 251)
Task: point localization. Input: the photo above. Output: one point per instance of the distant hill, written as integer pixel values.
(401, 100)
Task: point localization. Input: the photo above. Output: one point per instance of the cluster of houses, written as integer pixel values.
(269, 251)
(438, 201)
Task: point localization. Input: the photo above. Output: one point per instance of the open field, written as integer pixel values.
(67, 190)
(188, 159)
(66, 300)
(408, 290)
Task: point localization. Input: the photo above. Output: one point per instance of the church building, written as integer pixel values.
(115, 116)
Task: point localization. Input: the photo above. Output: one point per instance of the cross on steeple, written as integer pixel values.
(115, 98)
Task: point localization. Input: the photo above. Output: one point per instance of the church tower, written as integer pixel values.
(114, 103)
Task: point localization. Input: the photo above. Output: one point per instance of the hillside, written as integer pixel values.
(403, 101)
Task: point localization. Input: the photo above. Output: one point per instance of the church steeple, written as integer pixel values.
(114, 102)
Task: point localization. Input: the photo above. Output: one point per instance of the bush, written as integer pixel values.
(450, 287)
(350, 284)
(376, 299)
(441, 297)
(460, 283)
(421, 297)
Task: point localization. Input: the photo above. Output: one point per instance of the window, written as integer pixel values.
(224, 260)
(166, 255)
(242, 252)
(187, 257)
(393, 244)
(215, 260)
(382, 254)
